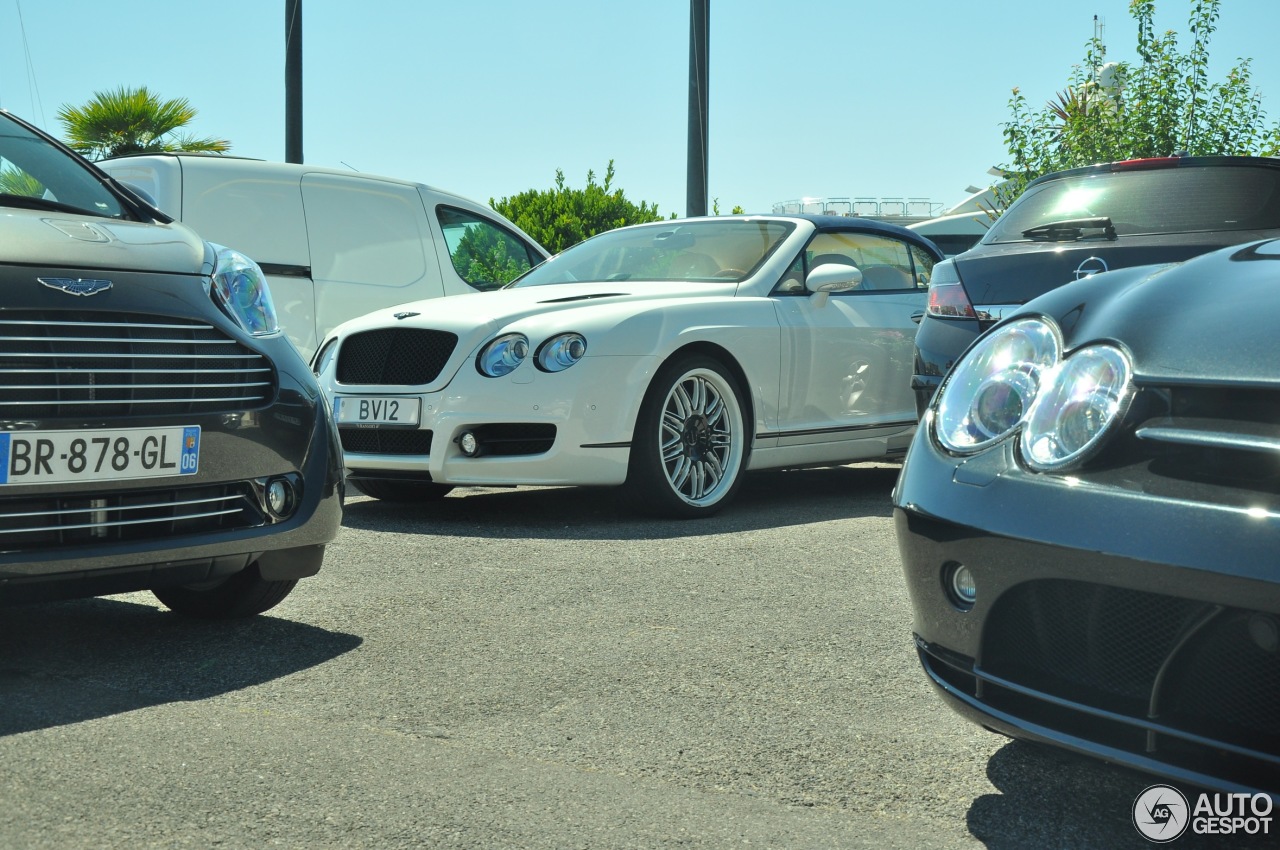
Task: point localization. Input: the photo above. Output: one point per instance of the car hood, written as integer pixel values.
(1014, 273)
(58, 240)
(484, 312)
(1210, 319)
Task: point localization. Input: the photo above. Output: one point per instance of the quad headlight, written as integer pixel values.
(240, 289)
(991, 390)
(502, 355)
(1090, 391)
(1017, 379)
(560, 352)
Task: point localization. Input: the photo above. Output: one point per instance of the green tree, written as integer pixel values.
(561, 217)
(1160, 105)
(130, 120)
(486, 260)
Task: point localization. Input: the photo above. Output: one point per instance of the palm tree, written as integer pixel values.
(128, 121)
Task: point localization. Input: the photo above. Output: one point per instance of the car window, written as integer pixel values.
(32, 168)
(483, 254)
(721, 251)
(886, 263)
(1183, 199)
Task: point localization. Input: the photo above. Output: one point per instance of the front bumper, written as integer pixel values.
(1141, 630)
(293, 437)
(567, 428)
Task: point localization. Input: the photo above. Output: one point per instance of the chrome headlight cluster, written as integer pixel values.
(561, 352)
(240, 289)
(1018, 379)
(502, 355)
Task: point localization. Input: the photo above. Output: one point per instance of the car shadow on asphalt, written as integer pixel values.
(67, 662)
(767, 499)
(1054, 798)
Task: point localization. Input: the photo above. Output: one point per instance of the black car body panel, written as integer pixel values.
(108, 329)
(1128, 608)
(1187, 206)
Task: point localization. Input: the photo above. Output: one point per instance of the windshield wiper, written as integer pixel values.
(1070, 229)
(30, 203)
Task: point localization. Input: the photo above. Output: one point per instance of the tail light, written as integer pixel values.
(947, 298)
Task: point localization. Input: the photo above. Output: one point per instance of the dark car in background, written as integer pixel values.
(157, 431)
(1089, 522)
(1072, 224)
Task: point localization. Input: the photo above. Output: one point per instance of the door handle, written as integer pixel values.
(917, 316)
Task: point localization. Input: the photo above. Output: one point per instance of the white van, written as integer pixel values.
(334, 244)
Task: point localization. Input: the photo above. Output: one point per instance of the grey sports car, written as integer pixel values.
(157, 431)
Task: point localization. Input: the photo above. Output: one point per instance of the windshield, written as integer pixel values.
(724, 250)
(37, 174)
(1186, 199)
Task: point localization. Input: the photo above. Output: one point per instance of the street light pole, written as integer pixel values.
(293, 81)
(696, 195)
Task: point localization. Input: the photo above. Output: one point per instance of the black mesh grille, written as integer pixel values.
(90, 519)
(1229, 687)
(79, 364)
(1192, 666)
(516, 438)
(394, 356)
(1061, 636)
(385, 441)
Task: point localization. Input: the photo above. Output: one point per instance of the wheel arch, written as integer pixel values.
(724, 356)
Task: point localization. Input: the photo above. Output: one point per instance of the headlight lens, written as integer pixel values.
(503, 355)
(240, 289)
(991, 390)
(560, 352)
(1088, 393)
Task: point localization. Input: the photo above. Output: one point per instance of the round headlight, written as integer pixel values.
(561, 352)
(503, 355)
(1080, 402)
(991, 390)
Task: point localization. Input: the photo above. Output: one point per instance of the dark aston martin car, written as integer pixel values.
(1089, 522)
(157, 431)
(1072, 224)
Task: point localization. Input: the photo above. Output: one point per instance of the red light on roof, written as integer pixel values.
(1148, 162)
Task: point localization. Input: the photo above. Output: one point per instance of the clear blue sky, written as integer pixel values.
(807, 97)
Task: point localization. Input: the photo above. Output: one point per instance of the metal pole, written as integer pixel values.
(293, 80)
(696, 196)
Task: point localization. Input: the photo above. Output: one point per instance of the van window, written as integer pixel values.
(484, 254)
(364, 231)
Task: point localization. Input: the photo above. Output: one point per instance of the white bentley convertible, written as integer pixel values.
(669, 358)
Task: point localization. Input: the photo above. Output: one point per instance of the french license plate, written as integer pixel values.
(60, 457)
(377, 410)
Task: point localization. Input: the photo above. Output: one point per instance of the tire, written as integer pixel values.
(690, 443)
(242, 595)
(401, 491)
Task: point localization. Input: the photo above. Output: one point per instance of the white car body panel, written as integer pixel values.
(792, 351)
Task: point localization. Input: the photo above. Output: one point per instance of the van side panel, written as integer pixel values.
(371, 247)
(258, 212)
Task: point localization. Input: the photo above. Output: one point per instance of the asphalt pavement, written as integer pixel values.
(536, 668)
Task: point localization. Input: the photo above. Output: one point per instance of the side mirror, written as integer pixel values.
(833, 277)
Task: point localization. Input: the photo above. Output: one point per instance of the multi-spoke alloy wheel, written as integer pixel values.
(690, 441)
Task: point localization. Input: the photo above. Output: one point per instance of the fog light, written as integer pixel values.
(469, 444)
(280, 497)
(961, 586)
